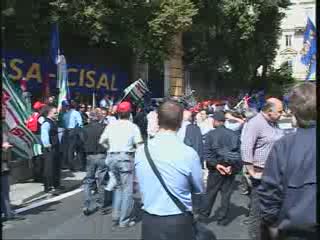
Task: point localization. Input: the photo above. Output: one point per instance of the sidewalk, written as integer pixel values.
(23, 194)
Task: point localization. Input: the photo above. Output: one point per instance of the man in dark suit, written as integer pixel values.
(222, 153)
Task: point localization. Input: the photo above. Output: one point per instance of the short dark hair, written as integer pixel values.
(46, 109)
(170, 115)
(303, 104)
(124, 115)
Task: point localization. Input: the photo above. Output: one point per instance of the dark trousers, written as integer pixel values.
(96, 171)
(5, 199)
(215, 183)
(254, 220)
(37, 168)
(52, 168)
(73, 144)
(167, 227)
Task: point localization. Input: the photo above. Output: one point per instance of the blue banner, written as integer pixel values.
(82, 78)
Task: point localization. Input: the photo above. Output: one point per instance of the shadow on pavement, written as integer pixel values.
(41, 209)
(234, 212)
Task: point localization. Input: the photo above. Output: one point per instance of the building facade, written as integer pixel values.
(291, 40)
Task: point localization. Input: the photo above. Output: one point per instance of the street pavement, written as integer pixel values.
(63, 219)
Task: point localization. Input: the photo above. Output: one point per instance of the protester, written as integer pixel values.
(222, 153)
(258, 137)
(121, 139)
(72, 122)
(96, 155)
(204, 122)
(287, 193)
(153, 126)
(84, 116)
(89, 110)
(5, 173)
(181, 170)
(34, 125)
(50, 142)
(106, 102)
(190, 134)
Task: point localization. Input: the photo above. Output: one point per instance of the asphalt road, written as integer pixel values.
(64, 220)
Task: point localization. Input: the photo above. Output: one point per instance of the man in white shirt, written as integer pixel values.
(121, 139)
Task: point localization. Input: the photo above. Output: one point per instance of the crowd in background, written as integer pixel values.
(212, 141)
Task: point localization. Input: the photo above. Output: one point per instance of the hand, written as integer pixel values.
(6, 145)
(221, 169)
(229, 170)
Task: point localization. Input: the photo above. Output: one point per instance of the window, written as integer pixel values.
(289, 65)
(288, 40)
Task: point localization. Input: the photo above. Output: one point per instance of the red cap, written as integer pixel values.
(124, 107)
(38, 105)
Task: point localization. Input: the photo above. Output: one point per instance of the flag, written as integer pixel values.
(64, 93)
(55, 44)
(46, 86)
(93, 100)
(136, 90)
(24, 141)
(309, 50)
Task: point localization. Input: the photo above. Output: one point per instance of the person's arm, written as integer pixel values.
(45, 128)
(196, 175)
(209, 152)
(137, 136)
(104, 138)
(271, 189)
(78, 118)
(249, 139)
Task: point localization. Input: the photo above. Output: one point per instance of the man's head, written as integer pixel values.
(303, 104)
(73, 104)
(203, 115)
(273, 109)
(124, 109)
(187, 115)
(218, 118)
(50, 112)
(82, 108)
(170, 114)
(104, 112)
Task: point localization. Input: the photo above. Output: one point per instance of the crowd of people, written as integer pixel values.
(180, 157)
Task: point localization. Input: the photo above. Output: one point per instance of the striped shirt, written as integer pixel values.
(258, 138)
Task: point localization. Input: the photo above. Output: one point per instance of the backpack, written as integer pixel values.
(32, 122)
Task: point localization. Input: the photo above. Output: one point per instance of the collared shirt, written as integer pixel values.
(180, 168)
(72, 119)
(258, 138)
(121, 136)
(45, 139)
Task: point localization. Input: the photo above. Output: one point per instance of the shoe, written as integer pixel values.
(105, 211)
(245, 222)
(129, 224)
(223, 222)
(86, 212)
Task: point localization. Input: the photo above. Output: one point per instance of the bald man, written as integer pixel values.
(257, 141)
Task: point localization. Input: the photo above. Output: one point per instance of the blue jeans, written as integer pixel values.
(121, 165)
(96, 171)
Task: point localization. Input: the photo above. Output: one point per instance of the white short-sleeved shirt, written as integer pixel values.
(121, 136)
